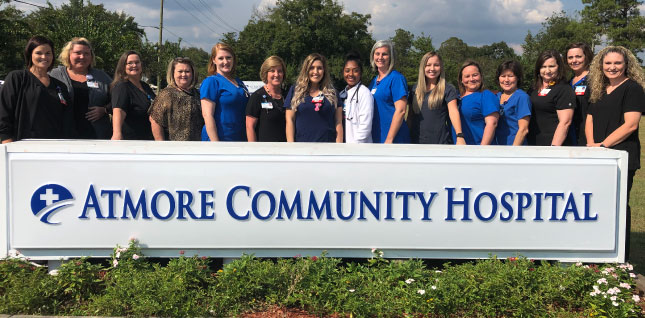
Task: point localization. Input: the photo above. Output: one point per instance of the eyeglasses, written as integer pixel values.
(133, 63)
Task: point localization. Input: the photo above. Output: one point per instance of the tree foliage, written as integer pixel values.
(13, 37)
(618, 20)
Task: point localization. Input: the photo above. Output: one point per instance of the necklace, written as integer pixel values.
(273, 95)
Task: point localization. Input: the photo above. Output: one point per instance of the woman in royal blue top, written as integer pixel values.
(223, 98)
(312, 111)
(478, 108)
(579, 56)
(515, 106)
(390, 91)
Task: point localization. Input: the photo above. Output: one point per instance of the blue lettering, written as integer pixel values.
(229, 202)
(570, 208)
(521, 206)
(375, 210)
(538, 207)
(155, 201)
(141, 205)
(426, 204)
(508, 207)
(205, 204)
(339, 205)
(91, 202)
(185, 205)
(254, 205)
(284, 204)
(588, 217)
(554, 203)
(452, 202)
(318, 210)
(111, 194)
(388, 206)
(493, 201)
(406, 205)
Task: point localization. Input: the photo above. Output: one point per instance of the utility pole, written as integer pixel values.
(160, 70)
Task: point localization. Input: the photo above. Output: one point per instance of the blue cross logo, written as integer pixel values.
(49, 199)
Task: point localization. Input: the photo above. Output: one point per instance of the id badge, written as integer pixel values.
(373, 91)
(267, 105)
(317, 99)
(92, 84)
(544, 92)
(580, 90)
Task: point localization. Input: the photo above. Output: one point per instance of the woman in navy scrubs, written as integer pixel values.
(553, 102)
(312, 112)
(223, 97)
(390, 91)
(617, 103)
(579, 56)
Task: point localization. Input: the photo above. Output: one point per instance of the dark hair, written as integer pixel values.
(32, 44)
(462, 88)
(353, 56)
(512, 66)
(119, 72)
(540, 61)
(586, 50)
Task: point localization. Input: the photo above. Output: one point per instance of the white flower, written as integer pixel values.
(132, 238)
(437, 271)
(409, 281)
(636, 298)
(135, 257)
(380, 253)
(632, 275)
(602, 281)
(351, 290)
(373, 250)
(562, 287)
(614, 303)
(433, 287)
(625, 285)
(613, 291)
(579, 264)
(115, 263)
(53, 272)
(613, 298)
(118, 254)
(586, 266)
(421, 291)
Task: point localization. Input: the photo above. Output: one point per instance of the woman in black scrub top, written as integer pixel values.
(32, 103)
(617, 102)
(579, 56)
(553, 102)
(131, 99)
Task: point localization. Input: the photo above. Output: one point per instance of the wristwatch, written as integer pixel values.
(460, 135)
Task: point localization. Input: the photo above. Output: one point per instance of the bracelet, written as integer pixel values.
(460, 135)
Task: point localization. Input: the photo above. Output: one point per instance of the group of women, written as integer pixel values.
(599, 106)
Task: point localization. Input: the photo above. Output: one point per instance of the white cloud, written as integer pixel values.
(524, 11)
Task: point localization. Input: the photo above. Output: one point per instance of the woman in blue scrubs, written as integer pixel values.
(478, 108)
(515, 105)
(390, 91)
(223, 98)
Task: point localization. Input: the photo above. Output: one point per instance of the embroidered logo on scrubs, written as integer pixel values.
(317, 101)
(49, 199)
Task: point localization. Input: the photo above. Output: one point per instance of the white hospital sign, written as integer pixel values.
(75, 198)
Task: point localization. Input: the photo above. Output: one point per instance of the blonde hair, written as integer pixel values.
(170, 73)
(597, 79)
(435, 99)
(272, 61)
(303, 84)
(65, 52)
(212, 68)
(390, 48)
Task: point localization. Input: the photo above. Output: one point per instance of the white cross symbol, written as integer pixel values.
(49, 197)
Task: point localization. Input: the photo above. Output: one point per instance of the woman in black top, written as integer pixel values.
(265, 113)
(553, 102)
(131, 99)
(88, 88)
(33, 104)
(617, 102)
(579, 56)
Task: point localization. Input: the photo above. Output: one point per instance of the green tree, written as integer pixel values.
(293, 29)
(409, 50)
(454, 52)
(111, 33)
(619, 20)
(199, 58)
(13, 38)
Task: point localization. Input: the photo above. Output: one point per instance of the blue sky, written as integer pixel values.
(201, 22)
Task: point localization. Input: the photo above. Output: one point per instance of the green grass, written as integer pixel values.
(637, 203)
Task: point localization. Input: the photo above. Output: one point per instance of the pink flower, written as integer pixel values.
(314, 258)
(181, 252)
(115, 263)
(132, 238)
(135, 257)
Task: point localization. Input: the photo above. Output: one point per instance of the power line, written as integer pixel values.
(31, 4)
(194, 16)
(218, 17)
(208, 19)
(169, 31)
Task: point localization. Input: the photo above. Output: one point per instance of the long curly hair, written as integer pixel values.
(435, 99)
(598, 81)
(303, 84)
